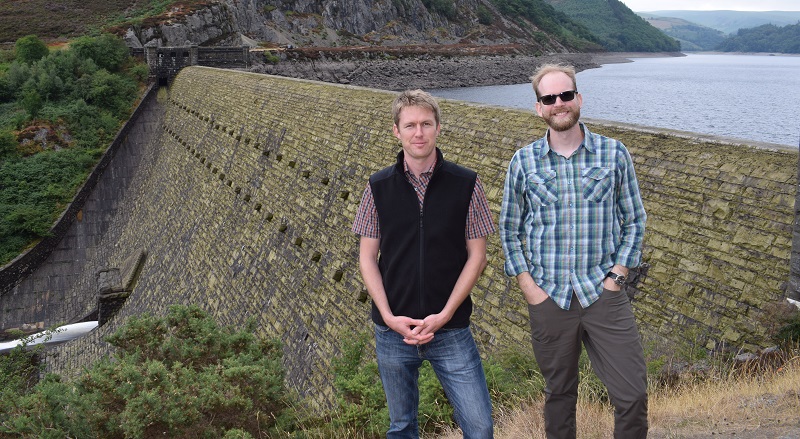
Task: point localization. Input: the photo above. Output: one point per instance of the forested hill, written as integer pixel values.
(766, 38)
(532, 26)
(618, 28)
(729, 22)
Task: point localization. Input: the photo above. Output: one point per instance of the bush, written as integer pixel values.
(444, 7)
(361, 403)
(175, 376)
(271, 58)
(107, 51)
(513, 377)
(30, 49)
(781, 322)
(361, 409)
(8, 145)
(484, 15)
(112, 92)
(6, 93)
(31, 102)
(31, 187)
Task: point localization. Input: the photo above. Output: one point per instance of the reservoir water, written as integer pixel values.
(748, 97)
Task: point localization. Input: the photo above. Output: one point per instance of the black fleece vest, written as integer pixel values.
(422, 252)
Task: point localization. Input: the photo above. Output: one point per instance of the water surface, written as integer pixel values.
(748, 97)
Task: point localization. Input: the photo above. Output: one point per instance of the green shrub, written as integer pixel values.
(271, 58)
(484, 15)
(444, 7)
(8, 145)
(513, 377)
(31, 101)
(19, 369)
(106, 50)
(31, 187)
(139, 73)
(6, 93)
(30, 49)
(790, 331)
(781, 322)
(361, 403)
(175, 376)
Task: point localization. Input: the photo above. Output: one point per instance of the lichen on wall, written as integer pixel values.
(247, 205)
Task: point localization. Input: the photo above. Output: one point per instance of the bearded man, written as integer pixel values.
(572, 224)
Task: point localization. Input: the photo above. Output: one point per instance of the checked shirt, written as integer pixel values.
(567, 221)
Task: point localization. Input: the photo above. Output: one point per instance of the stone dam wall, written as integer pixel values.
(243, 202)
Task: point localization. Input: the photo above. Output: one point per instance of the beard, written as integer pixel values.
(563, 123)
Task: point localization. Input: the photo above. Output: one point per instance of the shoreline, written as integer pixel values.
(437, 72)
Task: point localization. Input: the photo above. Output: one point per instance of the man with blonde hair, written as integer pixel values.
(423, 224)
(571, 225)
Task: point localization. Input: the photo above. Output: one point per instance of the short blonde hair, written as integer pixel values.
(414, 98)
(545, 69)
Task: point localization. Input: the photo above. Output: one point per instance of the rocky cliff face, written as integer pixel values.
(337, 23)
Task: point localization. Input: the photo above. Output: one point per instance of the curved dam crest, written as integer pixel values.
(243, 202)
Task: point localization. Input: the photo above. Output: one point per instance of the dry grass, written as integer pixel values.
(763, 405)
(595, 421)
(749, 406)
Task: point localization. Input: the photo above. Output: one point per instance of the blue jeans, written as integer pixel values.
(455, 360)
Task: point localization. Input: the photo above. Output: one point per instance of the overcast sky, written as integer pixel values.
(712, 5)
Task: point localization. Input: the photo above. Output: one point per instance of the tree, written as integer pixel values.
(30, 49)
(107, 51)
(8, 144)
(31, 100)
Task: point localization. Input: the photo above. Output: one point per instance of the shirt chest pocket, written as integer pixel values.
(541, 188)
(598, 183)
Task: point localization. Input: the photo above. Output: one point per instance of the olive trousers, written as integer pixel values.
(607, 329)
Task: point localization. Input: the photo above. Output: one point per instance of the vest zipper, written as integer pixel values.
(421, 256)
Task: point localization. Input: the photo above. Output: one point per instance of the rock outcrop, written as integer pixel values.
(337, 23)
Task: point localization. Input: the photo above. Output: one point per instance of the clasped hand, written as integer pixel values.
(416, 331)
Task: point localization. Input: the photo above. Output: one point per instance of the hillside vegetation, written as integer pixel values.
(618, 28)
(52, 20)
(59, 110)
(692, 36)
(67, 19)
(572, 26)
(728, 22)
(766, 38)
(773, 31)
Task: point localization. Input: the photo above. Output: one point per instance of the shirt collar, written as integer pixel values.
(588, 142)
(429, 171)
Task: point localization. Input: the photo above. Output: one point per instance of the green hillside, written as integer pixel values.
(692, 36)
(68, 19)
(51, 20)
(766, 38)
(729, 22)
(618, 28)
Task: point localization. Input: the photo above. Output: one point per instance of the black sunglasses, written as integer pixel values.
(565, 96)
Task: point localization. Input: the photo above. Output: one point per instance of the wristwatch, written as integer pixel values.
(617, 278)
